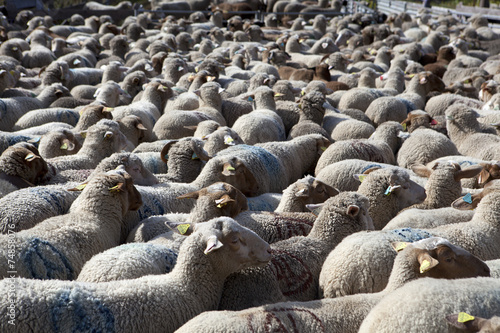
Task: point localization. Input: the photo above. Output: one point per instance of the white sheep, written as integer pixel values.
(297, 261)
(365, 252)
(423, 305)
(347, 313)
(212, 252)
(93, 225)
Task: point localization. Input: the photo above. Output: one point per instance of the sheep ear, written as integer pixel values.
(199, 151)
(58, 93)
(140, 126)
(213, 243)
(190, 195)
(484, 176)
(468, 172)
(421, 170)
(182, 228)
(302, 193)
(166, 148)
(67, 145)
(315, 208)
(98, 90)
(83, 134)
(466, 322)
(228, 169)
(352, 210)
(467, 202)
(224, 200)
(78, 188)
(426, 262)
(31, 157)
(366, 172)
(192, 128)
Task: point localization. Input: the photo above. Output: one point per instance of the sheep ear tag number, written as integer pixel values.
(183, 228)
(468, 198)
(464, 317)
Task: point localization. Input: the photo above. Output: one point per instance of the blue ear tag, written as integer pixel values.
(388, 191)
(468, 198)
(250, 99)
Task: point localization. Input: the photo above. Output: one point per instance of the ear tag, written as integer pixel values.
(388, 191)
(107, 109)
(302, 92)
(468, 198)
(183, 228)
(64, 146)
(195, 157)
(278, 95)
(424, 266)
(361, 177)
(464, 317)
(220, 203)
(230, 168)
(326, 61)
(324, 45)
(221, 90)
(80, 187)
(250, 99)
(228, 140)
(434, 122)
(400, 246)
(323, 148)
(180, 68)
(300, 106)
(404, 126)
(114, 189)
(165, 156)
(282, 44)
(196, 69)
(29, 157)
(35, 140)
(450, 117)
(466, 81)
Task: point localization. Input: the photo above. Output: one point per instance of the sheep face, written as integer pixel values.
(231, 247)
(24, 160)
(237, 174)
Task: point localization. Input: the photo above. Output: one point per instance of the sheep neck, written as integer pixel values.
(441, 189)
(332, 228)
(488, 209)
(403, 271)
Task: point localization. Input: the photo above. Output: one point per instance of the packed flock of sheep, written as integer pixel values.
(220, 174)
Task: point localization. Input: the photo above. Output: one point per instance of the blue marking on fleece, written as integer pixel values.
(261, 205)
(3, 109)
(369, 166)
(270, 162)
(84, 312)
(411, 235)
(52, 198)
(171, 259)
(409, 105)
(13, 139)
(148, 210)
(50, 257)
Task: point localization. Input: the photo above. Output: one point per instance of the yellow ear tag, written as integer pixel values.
(107, 109)
(361, 177)
(220, 203)
(464, 317)
(323, 148)
(80, 187)
(230, 168)
(64, 146)
(228, 140)
(400, 246)
(424, 266)
(404, 127)
(300, 106)
(183, 228)
(278, 95)
(302, 92)
(114, 189)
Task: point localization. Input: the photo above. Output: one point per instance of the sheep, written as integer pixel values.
(418, 119)
(347, 313)
(307, 190)
(84, 227)
(428, 218)
(11, 109)
(91, 115)
(21, 166)
(437, 105)
(92, 5)
(102, 139)
(386, 108)
(214, 250)
(345, 213)
(220, 139)
(470, 235)
(250, 126)
(478, 296)
(444, 185)
(42, 116)
(423, 146)
(464, 130)
(39, 54)
(219, 199)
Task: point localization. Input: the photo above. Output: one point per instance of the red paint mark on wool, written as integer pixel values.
(297, 279)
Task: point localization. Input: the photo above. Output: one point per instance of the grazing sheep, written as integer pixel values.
(364, 252)
(90, 227)
(212, 252)
(347, 313)
(297, 261)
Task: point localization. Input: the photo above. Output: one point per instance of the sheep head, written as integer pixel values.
(236, 173)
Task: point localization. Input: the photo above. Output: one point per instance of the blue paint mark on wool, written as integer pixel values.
(409, 105)
(411, 235)
(13, 139)
(51, 198)
(150, 208)
(78, 310)
(270, 162)
(45, 261)
(171, 260)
